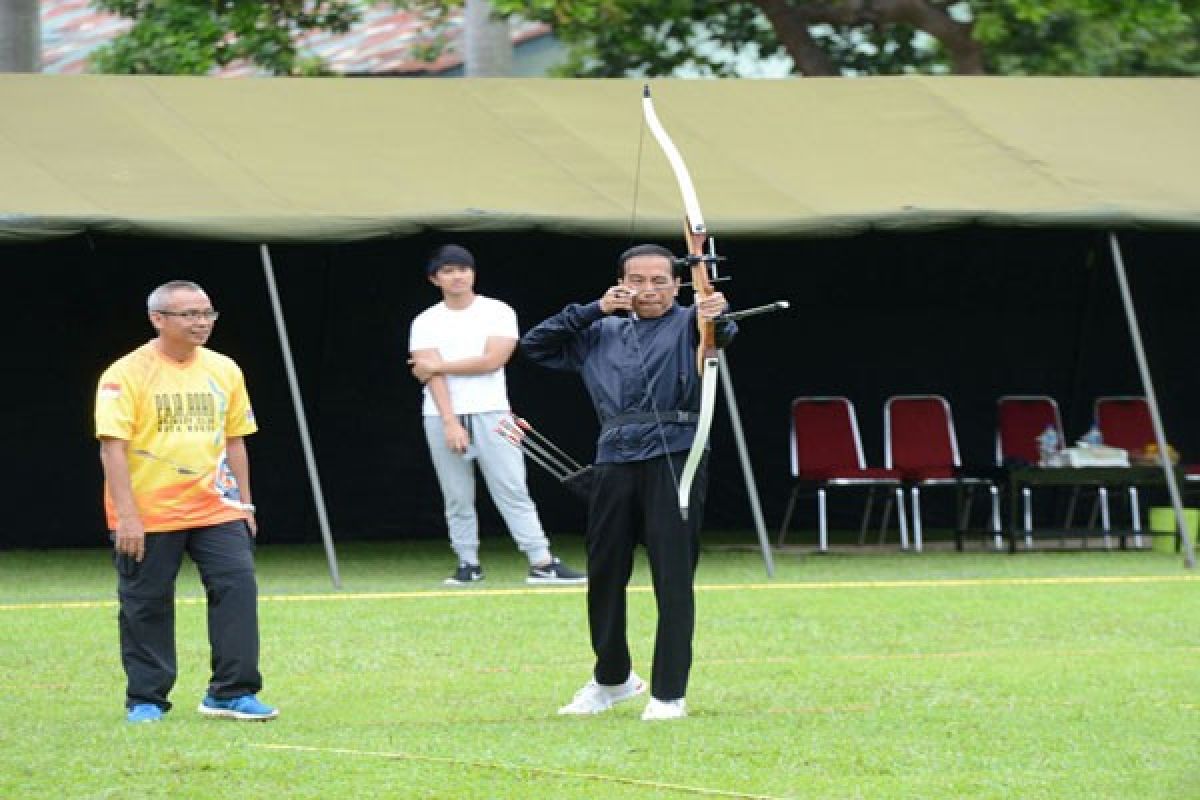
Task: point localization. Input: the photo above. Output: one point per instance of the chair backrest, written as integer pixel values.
(1020, 420)
(1125, 422)
(824, 435)
(919, 433)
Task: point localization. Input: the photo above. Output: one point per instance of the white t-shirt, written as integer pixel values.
(463, 333)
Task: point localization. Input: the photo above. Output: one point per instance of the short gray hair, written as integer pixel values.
(157, 301)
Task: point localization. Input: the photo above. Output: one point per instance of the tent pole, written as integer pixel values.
(1135, 335)
(301, 421)
(735, 420)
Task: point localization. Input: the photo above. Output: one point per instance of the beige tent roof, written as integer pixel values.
(337, 159)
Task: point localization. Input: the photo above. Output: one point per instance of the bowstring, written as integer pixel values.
(637, 342)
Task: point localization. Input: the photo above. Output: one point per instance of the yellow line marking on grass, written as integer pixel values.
(543, 771)
(70, 604)
(938, 583)
(425, 594)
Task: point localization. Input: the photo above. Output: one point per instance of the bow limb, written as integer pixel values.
(698, 241)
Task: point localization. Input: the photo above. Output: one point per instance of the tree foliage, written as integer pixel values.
(1090, 37)
(192, 37)
(608, 38)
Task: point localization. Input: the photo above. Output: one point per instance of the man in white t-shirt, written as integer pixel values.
(458, 350)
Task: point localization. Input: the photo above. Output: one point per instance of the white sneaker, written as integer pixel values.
(665, 709)
(595, 698)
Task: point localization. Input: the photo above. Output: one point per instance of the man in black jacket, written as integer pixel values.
(635, 349)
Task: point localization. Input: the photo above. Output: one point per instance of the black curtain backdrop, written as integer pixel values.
(969, 313)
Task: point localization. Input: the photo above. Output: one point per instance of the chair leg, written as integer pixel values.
(902, 518)
(964, 515)
(964, 518)
(866, 517)
(887, 518)
(1135, 516)
(1027, 500)
(1105, 518)
(823, 541)
(997, 536)
(916, 518)
(787, 516)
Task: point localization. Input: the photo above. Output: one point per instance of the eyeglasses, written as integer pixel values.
(192, 316)
(658, 281)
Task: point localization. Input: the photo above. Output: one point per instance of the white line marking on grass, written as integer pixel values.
(559, 773)
(930, 583)
(858, 708)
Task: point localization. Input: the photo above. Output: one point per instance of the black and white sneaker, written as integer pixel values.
(555, 572)
(465, 574)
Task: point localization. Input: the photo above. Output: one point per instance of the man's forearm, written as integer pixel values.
(497, 352)
(475, 365)
(115, 462)
(440, 393)
(550, 342)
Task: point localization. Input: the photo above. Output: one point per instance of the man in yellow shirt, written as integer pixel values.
(171, 417)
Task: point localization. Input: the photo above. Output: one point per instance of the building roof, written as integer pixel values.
(379, 44)
(71, 30)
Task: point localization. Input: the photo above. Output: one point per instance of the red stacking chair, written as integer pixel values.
(826, 451)
(1125, 422)
(920, 443)
(1020, 421)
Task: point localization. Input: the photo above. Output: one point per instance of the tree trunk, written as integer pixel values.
(488, 51)
(791, 21)
(791, 28)
(20, 36)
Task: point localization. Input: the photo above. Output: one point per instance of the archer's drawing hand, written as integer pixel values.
(617, 298)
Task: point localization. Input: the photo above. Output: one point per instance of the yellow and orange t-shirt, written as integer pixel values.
(176, 418)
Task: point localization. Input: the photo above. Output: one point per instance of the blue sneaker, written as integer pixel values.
(144, 712)
(245, 707)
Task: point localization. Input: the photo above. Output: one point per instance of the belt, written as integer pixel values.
(660, 417)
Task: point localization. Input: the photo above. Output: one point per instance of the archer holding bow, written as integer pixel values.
(635, 349)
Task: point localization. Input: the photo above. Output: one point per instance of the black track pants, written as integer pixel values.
(224, 555)
(637, 503)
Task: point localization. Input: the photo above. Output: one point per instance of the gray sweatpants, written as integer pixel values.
(503, 468)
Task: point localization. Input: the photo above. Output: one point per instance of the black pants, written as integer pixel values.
(224, 554)
(631, 504)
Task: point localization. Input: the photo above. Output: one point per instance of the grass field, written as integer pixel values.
(1053, 675)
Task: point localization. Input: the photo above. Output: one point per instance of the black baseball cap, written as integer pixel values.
(450, 254)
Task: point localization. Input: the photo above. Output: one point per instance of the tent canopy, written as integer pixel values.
(317, 160)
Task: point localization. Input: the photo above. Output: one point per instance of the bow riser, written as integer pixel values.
(702, 286)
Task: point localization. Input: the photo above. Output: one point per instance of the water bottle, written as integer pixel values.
(1048, 446)
(1093, 438)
